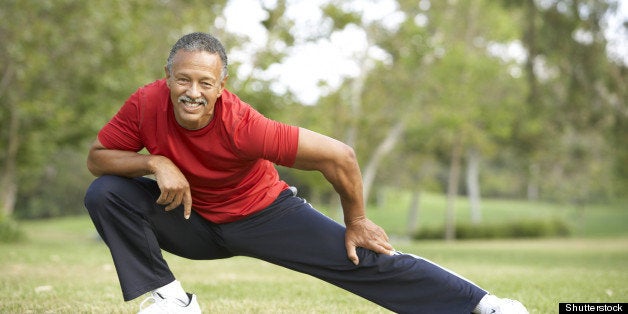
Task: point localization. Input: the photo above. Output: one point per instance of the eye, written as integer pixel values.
(207, 85)
(183, 81)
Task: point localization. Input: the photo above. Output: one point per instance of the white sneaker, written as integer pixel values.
(160, 305)
(495, 305)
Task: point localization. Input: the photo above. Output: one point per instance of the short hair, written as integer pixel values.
(199, 42)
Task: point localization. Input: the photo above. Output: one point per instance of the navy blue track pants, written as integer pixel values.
(289, 233)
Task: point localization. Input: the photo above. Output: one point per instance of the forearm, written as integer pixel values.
(360, 231)
(347, 182)
(174, 187)
(338, 163)
(102, 161)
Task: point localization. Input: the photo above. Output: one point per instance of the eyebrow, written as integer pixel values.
(204, 78)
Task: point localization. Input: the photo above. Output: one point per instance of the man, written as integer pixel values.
(217, 195)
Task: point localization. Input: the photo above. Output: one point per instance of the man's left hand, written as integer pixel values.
(366, 234)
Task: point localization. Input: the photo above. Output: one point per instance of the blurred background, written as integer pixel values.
(462, 113)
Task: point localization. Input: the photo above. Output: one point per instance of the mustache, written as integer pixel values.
(185, 98)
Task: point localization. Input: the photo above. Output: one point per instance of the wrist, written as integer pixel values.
(354, 220)
(154, 163)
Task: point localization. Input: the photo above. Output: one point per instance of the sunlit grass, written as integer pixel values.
(64, 268)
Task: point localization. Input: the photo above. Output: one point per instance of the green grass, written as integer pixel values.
(62, 268)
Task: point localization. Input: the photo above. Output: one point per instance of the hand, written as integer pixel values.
(174, 187)
(364, 233)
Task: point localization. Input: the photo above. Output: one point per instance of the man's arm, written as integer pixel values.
(174, 187)
(338, 163)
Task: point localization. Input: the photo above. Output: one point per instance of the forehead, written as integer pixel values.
(189, 62)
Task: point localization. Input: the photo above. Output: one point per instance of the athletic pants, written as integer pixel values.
(289, 233)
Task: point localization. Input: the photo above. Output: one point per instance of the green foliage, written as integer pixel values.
(340, 17)
(67, 66)
(573, 92)
(58, 190)
(75, 63)
(539, 228)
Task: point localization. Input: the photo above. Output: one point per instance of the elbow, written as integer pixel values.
(93, 157)
(346, 159)
(349, 156)
(93, 169)
(92, 165)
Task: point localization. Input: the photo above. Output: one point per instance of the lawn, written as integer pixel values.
(64, 268)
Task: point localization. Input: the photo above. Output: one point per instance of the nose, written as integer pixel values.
(193, 91)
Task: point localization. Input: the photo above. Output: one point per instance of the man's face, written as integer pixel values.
(195, 85)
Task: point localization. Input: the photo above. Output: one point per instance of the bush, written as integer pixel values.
(509, 230)
(10, 231)
(55, 190)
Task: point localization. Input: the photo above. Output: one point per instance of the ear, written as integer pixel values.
(167, 75)
(223, 83)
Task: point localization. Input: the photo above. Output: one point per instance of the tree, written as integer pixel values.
(66, 67)
(573, 92)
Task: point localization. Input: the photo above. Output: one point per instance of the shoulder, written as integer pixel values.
(233, 103)
(157, 88)
(152, 96)
(236, 111)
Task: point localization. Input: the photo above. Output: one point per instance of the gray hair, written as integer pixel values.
(199, 42)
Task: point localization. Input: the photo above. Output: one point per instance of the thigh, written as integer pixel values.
(292, 234)
(133, 202)
(193, 238)
(289, 232)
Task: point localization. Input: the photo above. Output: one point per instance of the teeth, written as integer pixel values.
(191, 104)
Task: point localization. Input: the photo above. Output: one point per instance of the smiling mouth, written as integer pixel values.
(191, 103)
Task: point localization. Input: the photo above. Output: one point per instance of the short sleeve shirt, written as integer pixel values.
(229, 163)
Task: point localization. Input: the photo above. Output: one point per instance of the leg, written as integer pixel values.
(135, 228)
(292, 234)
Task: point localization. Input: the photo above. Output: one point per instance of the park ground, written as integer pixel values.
(62, 267)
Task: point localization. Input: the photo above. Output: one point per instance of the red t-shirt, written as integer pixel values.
(228, 163)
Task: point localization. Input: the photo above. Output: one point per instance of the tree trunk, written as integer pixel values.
(473, 185)
(355, 101)
(533, 182)
(530, 42)
(413, 213)
(387, 145)
(533, 99)
(8, 185)
(452, 190)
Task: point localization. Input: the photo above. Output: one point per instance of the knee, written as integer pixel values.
(99, 192)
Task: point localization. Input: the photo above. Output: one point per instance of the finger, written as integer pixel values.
(388, 250)
(187, 204)
(175, 202)
(163, 198)
(379, 249)
(380, 246)
(352, 254)
(387, 246)
(384, 241)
